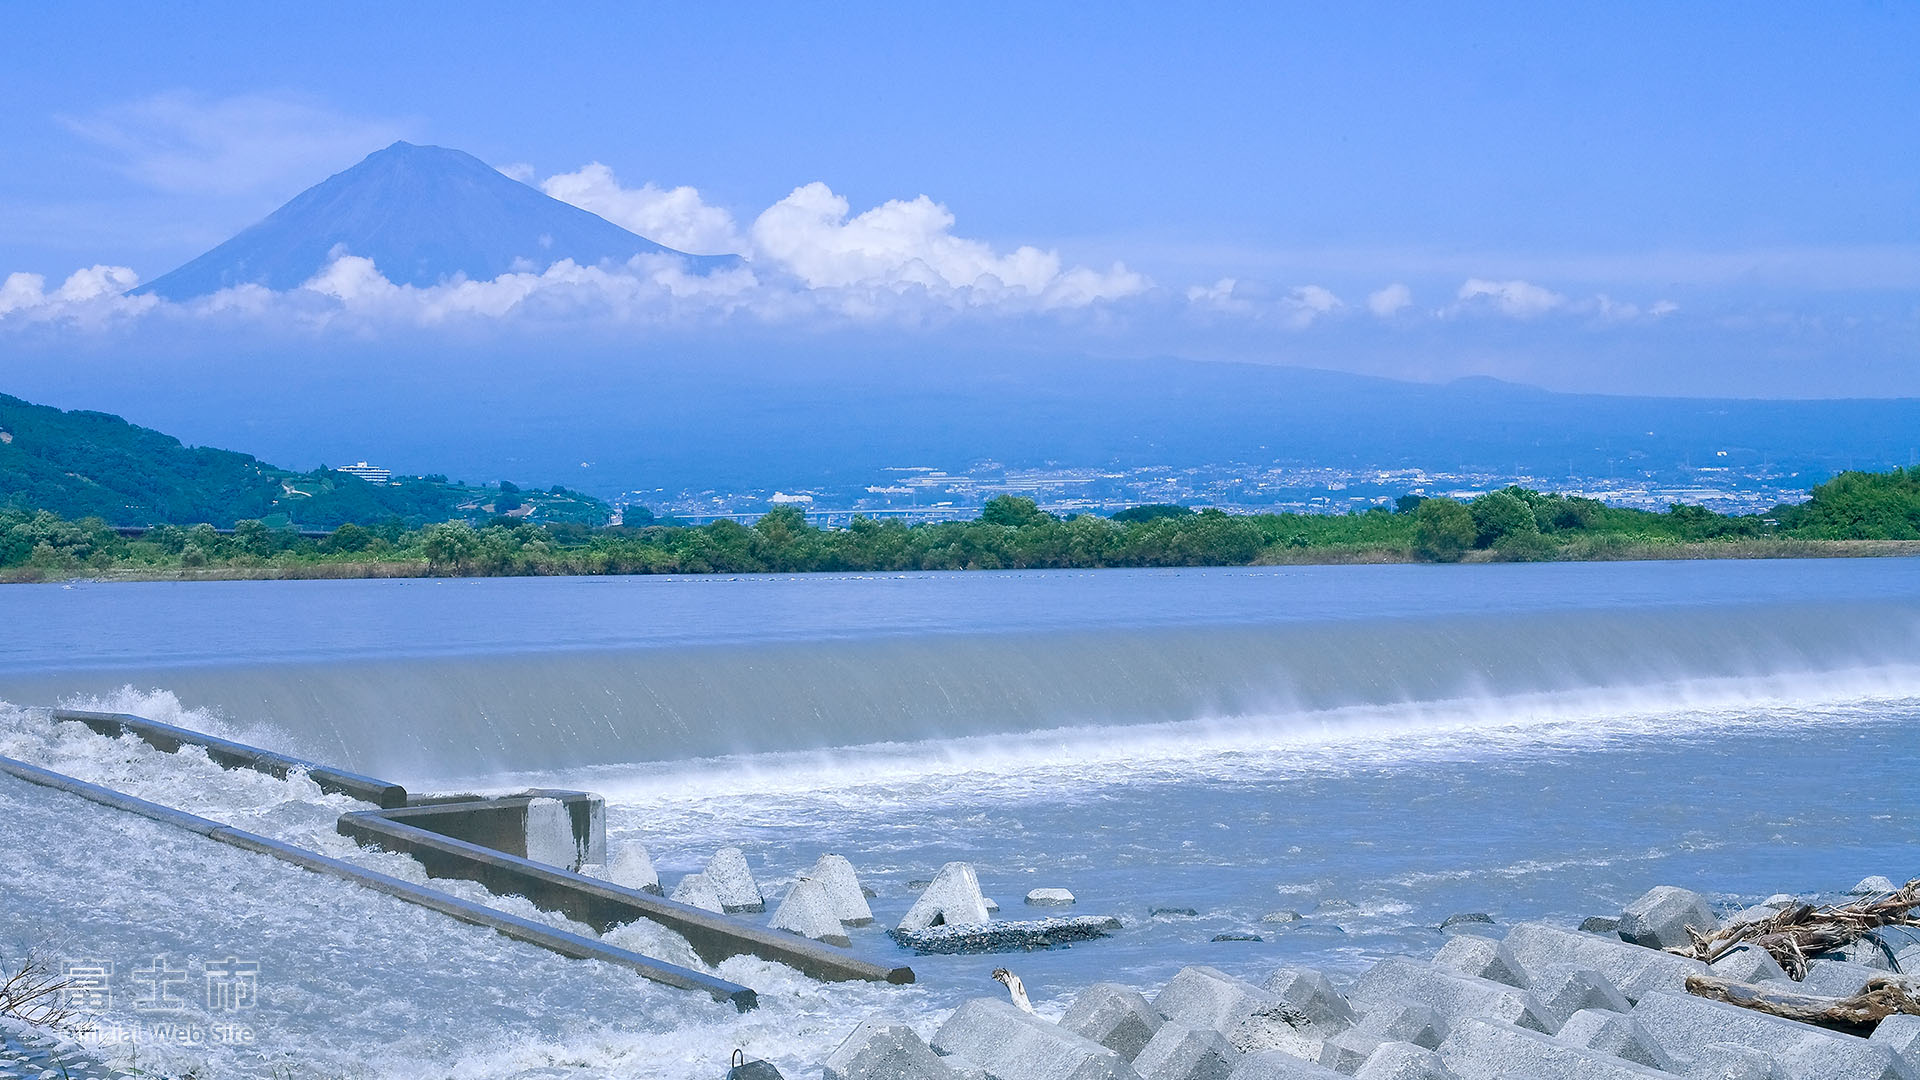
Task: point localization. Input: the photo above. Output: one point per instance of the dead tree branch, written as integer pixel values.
(1800, 931)
(1881, 997)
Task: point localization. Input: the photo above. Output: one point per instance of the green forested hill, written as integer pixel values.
(88, 464)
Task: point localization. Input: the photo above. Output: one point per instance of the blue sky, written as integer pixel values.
(1695, 198)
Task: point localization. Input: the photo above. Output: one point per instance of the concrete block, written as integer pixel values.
(1455, 997)
(1902, 1033)
(629, 867)
(1251, 1018)
(1044, 897)
(835, 875)
(882, 1051)
(730, 876)
(1575, 991)
(1659, 919)
(1836, 978)
(1114, 1016)
(550, 838)
(1548, 952)
(1756, 913)
(1179, 1052)
(1876, 885)
(1870, 949)
(1749, 964)
(1686, 1025)
(1404, 1061)
(1612, 1033)
(1491, 1050)
(952, 898)
(1009, 1044)
(1725, 1061)
(809, 912)
(1280, 1065)
(1346, 1051)
(1311, 995)
(1482, 958)
(1404, 1021)
(695, 890)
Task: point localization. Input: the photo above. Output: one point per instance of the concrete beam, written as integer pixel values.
(512, 926)
(235, 755)
(500, 822)
(602, 904)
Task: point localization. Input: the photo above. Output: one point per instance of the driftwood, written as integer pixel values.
(1801, 931)
(1881, 997)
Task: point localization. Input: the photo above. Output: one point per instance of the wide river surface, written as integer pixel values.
(1373, 748)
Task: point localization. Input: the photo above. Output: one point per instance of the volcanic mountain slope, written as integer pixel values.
(423, 214)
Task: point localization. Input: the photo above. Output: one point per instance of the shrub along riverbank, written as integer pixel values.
(1853, 514)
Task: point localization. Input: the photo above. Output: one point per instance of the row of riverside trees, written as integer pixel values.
(1011, 533)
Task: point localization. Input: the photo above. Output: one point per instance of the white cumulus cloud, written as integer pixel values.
(1389, 301)
(1519, 299)
(1297, 308)
(676, 217)
(1305, 303)
(904, 243)
(93, 289)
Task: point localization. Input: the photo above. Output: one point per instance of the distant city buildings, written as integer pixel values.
(372, 474)
(925, 493)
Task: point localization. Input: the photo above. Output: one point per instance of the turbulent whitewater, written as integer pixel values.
(1373, 748)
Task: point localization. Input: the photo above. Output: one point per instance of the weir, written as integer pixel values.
(488, 840)
(538, 712)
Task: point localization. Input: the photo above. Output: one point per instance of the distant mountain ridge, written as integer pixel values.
(423, 214)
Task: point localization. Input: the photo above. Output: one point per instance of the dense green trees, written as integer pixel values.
(1443, 530)
(1010, 533)
(1857, 505)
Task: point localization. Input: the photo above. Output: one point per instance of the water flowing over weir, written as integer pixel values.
(434, 717)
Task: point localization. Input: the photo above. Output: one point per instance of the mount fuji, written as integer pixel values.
(423, 214)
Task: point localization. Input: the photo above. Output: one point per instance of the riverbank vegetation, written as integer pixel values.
(1853, 514)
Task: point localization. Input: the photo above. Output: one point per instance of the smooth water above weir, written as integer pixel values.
(549, 675)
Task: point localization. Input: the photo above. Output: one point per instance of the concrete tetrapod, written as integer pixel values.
(1179, 1052)
(1404, 1061)
(809, 912)
(1114, 1016)
(951, 899)
(1013, 1045)
(880, 1051)
(1685, 1025)
(1659, 919)
(733, 882)
(1548, 952)
(630, 867)
(1252, 1019)
(835, 875)
(695, 890)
